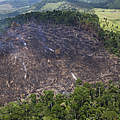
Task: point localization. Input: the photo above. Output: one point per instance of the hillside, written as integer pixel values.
(10, 8)
(19, 3)
(114, 4)
(59, 60)
(76, 4)
(111, 4)
(42, 54)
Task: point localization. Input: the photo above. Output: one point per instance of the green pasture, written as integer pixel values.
(113, 18)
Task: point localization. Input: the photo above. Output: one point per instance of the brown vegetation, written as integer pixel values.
(49, 56)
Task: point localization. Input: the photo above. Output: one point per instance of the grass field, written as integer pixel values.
(112, 15)
(52, 6)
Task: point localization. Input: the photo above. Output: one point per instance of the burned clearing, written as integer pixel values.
(37, 57)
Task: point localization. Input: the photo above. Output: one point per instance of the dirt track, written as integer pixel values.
(52, 57)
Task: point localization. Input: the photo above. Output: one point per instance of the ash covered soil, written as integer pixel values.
(37, 57)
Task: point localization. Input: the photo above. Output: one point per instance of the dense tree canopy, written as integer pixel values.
(87, 102)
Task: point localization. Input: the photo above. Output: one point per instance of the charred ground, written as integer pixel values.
(40, 56)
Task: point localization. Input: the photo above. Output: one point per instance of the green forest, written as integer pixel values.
(88, 102)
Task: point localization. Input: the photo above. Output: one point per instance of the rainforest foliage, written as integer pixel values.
(87, 102)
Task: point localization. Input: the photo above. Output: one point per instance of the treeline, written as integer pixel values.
(110, 35)
(87, 102)
(87, 21)
(57, 17)
(111, 41)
